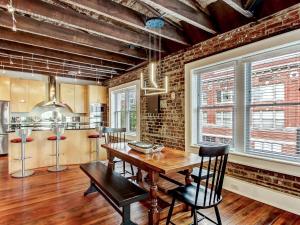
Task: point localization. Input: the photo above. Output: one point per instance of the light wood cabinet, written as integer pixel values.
(25, 94)
(37, 92)
(97, 94)
(19, 95)
(4, 88)
(67, 95)
(80, 99)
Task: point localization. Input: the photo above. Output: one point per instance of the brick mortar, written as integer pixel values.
(167, 127)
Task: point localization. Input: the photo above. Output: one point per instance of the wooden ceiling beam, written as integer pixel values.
(183, 12)
(127, 16)
(52, 68)
(54, 44)
(71, 18)
(43, 72)
(48, 54)
(237, 5)
(44, 60)
(108, 48)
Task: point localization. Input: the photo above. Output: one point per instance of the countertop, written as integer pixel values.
(49, 126)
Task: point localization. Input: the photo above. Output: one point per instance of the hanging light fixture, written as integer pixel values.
(10, 61)
(11, 10)
(3, 70)
(155, 62)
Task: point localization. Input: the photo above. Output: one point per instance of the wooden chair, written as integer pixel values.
(205, 193)
(114, 135)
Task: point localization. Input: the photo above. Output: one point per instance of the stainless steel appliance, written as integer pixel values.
(96, 113)
(4, 121)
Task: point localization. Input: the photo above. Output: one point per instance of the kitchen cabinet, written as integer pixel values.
(74, 96)
(97, 94)
(37, 92)
(19, 95)
(4, 88)
(25, 94)
(67, 95)
(80, 103)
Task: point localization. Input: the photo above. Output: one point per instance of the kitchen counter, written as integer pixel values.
(49, 126)
(76, 149)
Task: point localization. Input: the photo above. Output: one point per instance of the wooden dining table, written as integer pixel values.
(169, 160)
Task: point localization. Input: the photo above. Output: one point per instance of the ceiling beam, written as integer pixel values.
(52, 68)
(183, 12)
(127, 16)
(237, 5)
(49, 43)
(58, 62)
(48, 54)
(98, 44)
(71, 18)
(43, 72)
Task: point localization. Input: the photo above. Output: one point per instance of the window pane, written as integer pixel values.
(274, 107)
(215, 108)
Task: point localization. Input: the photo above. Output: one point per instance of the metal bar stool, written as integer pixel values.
(96, 135)
(23, 139)
(58, 131)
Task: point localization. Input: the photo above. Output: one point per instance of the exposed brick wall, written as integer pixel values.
(168, 126)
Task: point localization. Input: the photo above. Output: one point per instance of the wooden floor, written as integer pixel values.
(50, 198)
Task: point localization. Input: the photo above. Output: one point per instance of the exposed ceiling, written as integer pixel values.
(100, 39)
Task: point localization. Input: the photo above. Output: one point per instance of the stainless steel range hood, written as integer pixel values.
(52, 105)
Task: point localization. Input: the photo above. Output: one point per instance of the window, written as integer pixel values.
(258, 95)
(273, 106)
(224, 96)
(268, 93)
(224, 119)
(124, 108)
(268, 120)
(215, 85)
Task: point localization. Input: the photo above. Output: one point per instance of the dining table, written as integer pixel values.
(167, 161)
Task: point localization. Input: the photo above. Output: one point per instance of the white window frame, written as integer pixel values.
(121, 87)
(238, 155)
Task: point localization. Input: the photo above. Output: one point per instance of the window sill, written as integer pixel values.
(275, 165)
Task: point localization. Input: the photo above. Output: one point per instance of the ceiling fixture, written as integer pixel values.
(3, 70)
(11, 10)
(155, 62)
(10, 61)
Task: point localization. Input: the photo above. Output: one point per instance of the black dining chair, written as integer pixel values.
(205, 193)
(114, 135)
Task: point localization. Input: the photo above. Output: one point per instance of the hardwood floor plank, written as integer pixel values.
(57, 199)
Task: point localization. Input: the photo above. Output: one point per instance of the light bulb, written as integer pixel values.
(10, 8)
(14, 27)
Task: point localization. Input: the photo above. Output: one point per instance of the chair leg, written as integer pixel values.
(170, 211)
(132, 171)
(218, 215)
(195, 216)
(124, 168)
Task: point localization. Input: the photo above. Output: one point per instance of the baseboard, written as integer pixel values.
(262, 194)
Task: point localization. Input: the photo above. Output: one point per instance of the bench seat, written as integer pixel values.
(115, 188)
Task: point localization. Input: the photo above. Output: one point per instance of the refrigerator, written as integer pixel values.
(4, 121)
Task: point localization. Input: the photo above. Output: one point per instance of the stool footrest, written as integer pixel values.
(21, 159)
(55, 155)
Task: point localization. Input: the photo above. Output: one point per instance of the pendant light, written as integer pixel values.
(155, 62)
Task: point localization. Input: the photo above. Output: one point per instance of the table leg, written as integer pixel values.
(153, 212)
(139, 176)
(111, 163)
(188, 177)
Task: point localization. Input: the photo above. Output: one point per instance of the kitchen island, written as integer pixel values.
(76, 149)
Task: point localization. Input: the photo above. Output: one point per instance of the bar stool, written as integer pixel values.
(58, 131)
(23, 139)
(96, 135)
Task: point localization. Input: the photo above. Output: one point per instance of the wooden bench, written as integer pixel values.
(116, 189)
